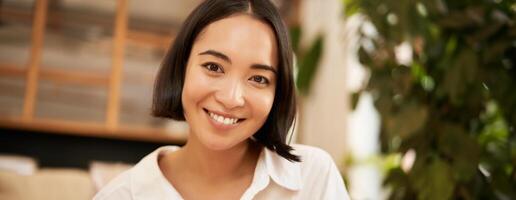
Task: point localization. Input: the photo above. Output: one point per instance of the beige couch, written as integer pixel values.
(28, 183)
(51, 184)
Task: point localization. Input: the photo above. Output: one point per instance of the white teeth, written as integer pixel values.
(223, 120)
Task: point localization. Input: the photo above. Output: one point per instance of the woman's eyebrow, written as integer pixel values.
(264, 67)
(216, 54)
(227, 59)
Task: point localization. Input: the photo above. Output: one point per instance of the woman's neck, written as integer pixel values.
(235, 162)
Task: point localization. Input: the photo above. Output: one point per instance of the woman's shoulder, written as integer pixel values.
(312, 154)
(315, 161)
(146, 169)
(320, 173)
(118, 188)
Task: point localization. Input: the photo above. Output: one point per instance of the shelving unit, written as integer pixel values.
(34, 72)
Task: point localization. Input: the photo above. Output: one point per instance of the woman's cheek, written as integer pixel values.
(263, 101)
(201, 82)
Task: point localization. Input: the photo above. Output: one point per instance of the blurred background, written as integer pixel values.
(412, 99)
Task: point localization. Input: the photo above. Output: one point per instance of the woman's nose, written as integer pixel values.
(231, 95)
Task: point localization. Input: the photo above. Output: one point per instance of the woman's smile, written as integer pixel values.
(222, 121)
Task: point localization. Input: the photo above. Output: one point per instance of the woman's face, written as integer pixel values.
(230, 81)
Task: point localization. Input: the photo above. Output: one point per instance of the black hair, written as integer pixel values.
(170, 78)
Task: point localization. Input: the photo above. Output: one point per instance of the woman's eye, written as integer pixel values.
(260, 80)
(213, 67)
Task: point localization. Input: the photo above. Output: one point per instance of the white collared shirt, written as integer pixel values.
(316, 177)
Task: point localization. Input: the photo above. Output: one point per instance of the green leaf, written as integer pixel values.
(351, 7)
(434, 181)
(295, 37)
(462, 150)
(354, 100)
(466, 18)
(461, 73)
(308, 65)
(409, 120)
(396, 178)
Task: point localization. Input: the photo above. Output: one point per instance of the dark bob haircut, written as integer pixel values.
(170, 79)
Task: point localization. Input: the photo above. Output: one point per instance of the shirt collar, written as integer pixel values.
(147, 181)
(285, 173)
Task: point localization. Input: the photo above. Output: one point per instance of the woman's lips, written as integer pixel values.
(222, 121)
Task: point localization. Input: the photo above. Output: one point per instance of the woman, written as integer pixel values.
(229, 75)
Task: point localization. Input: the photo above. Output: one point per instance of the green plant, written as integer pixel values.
(307, 59)
(454, 103)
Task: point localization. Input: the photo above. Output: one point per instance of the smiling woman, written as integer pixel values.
(229, 75)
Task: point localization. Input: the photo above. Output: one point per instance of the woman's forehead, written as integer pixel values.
(240, 37)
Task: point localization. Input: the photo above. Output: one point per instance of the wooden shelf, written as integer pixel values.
(58, 75)
(94, 130)
(143, 33)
